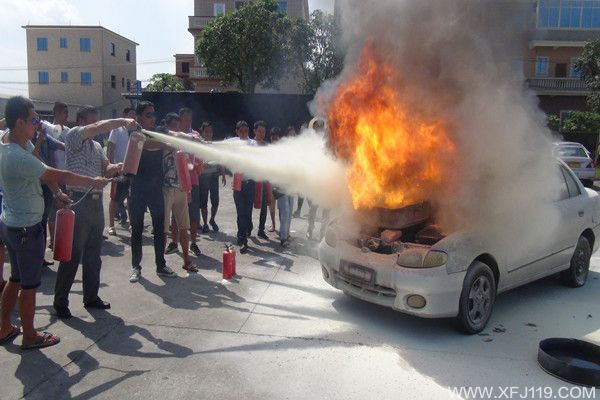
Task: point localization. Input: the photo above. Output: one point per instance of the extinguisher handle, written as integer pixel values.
(79, 201)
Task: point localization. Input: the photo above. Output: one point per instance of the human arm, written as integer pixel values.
(95, 129)
(54, 177)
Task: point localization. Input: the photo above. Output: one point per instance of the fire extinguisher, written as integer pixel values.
(185, 182)
(237, 182)
(258, 188)
(133, 154)
(228, 262)
(64, 228)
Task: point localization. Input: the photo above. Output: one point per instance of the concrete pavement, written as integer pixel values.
(278, 332)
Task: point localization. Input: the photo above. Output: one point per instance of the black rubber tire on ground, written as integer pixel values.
(476, 299)
(588, 183)
(577, 274)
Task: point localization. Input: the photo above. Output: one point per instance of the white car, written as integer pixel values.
(576, 156)
(432, 276)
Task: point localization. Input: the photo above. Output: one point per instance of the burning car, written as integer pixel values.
(401, 259)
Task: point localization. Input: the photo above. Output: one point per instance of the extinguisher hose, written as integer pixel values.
(83, 197)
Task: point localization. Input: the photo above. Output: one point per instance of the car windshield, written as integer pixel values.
(571, 151)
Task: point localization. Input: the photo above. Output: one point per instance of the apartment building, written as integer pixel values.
(80, 65)
(188, 65)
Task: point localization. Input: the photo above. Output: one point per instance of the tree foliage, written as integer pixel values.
(314, 50)
(247, 47)
(589, 67)
(581, 122)
(165, 83)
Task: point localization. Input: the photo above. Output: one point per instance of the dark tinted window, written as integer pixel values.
(571, 183)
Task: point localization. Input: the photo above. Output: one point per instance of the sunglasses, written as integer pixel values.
(36, 121)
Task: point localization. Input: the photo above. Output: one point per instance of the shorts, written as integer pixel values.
(194, 205)
(176, 201)
(122, 191)
(26, 252)
(209, 184)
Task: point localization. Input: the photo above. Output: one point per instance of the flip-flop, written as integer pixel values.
(46, 340)
(15, 332)
(190, 268)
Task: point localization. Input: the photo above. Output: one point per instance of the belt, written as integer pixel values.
(23, 229)
(92, 195)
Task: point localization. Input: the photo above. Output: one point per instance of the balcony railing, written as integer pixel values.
(199, 22)
(559, 85)
(199, 73)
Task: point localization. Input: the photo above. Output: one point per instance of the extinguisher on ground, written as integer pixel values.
(228, 262)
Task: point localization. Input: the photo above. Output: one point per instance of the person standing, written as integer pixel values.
(85, 156)
(20, 222)
(209, 185)
(145, 185)
(116, 148)
(285, 204)
(260, 135)
(244, 198)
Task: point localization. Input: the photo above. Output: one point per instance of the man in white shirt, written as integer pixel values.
(117, 146)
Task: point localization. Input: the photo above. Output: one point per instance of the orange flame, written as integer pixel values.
(395, 157)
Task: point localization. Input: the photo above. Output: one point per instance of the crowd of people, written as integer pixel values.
(45, 166)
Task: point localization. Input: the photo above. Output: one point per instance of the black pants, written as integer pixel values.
(48, 200)
(263, 209)
(150, 196)
(244, 201)
(87, 244)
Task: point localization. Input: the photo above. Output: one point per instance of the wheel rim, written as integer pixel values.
(581, 265)
(480, 300)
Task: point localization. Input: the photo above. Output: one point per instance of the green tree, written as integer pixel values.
(314, 50)
(247, 47)
(165, 83)
(582, 122)
(589, 66)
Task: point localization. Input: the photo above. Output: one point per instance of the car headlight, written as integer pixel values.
(419, 258)
(331, 237)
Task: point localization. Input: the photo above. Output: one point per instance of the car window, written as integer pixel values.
(571, 183)
(571, 151)
(563, 189)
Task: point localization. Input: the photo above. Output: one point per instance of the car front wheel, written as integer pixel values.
(577, 274)
(476, 299)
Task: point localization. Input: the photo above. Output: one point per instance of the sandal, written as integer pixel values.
(15, 332)
(190, 267)
(46, 340)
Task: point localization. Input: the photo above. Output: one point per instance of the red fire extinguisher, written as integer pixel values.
(133, 154)
(185, 182)
(228, 262)
(237, 182)
(258, 188)
(63, 234)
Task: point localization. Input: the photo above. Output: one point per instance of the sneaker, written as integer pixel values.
(263, 235)
(166, 271)
(136, 273)
(214, 225)
(124, 223)
(171, 248)
(195, 249)
(112, 231)
(205, 229)
(244, 248)
(296, 214)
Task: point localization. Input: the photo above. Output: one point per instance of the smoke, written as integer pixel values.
(454, 61)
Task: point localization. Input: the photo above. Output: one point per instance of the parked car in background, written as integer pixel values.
(576, 156)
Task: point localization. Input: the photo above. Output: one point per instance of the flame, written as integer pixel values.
(395, 158)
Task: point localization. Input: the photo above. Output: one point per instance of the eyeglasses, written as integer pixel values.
(149, 115)
(35, 121)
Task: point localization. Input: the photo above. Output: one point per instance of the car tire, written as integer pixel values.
(588, 183)
(476, 299)
(577, 274)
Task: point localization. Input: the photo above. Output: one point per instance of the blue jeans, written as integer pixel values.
(244, 202)
(285, 204)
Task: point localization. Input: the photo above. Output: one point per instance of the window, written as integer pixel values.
(128, 85)
(571, 183)
(113, 49)
(43, 77)
(128, 56)
(542, 65)
(569, 14)
(282, 7)
(574, 72)
(85, 45)
(64, 77)
(113, 81)
(64, 43)
(86, 79)
(185, 67)
(239, 4)
(219, 9)
(561, 70)
(42, 44)
(122, 82)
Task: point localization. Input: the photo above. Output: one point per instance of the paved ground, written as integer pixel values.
(279, 332)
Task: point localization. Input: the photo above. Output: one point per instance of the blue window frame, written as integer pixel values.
(42, 44)
(64, 77)
(43, 77)
(574, 72)
(542, 66)
(85, 45)
(64, 43)
(569, 14)
(282, 7)
(86, 79)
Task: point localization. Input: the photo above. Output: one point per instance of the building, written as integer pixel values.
(188, 65)
(80, 65)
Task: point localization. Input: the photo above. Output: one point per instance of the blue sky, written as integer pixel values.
(161, 30)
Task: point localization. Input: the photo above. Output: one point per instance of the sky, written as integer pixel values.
(161, 32)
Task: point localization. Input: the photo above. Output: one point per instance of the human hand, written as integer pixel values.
(99, 182)
(131, 124)
(62, 199)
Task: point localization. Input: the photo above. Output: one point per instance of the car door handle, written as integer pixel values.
(581, 213)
